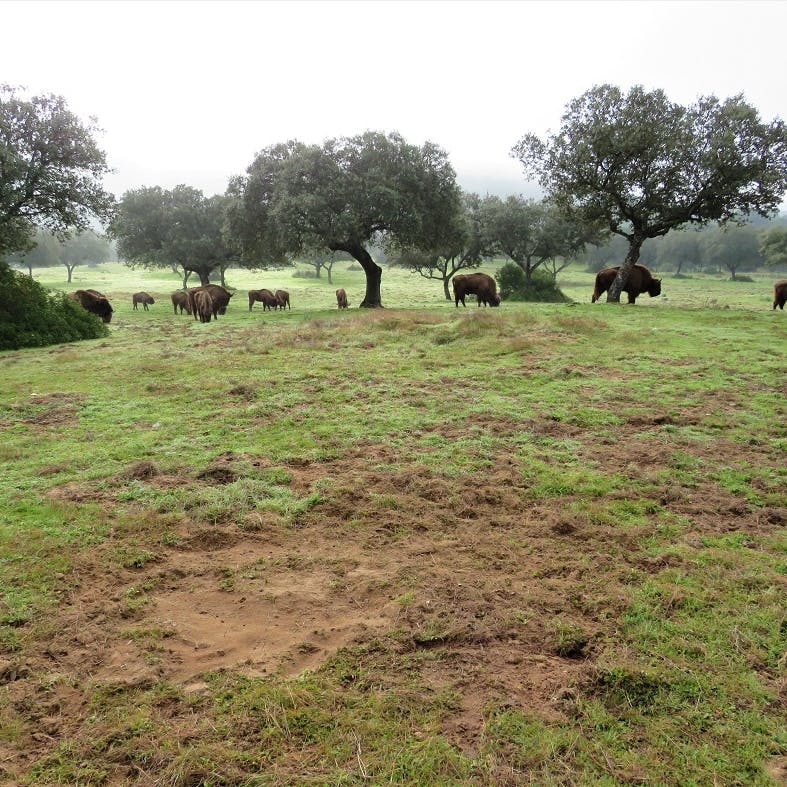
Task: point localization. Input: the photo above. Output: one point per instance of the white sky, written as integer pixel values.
(188, 92)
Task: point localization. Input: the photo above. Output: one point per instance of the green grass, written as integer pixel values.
(583, 508)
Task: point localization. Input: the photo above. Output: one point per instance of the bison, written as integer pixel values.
(780, 294)
(203, 305)
(640, 280)
(283, 299)
(180, 300)
(479, 284)
(95, 303)
(143, 298)
(219, 297)
(341, 298)
(265, 297)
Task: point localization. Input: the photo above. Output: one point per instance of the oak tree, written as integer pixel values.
(155, 228)
(343, 195)
(50, 170)
(464, 245)
(642, 165)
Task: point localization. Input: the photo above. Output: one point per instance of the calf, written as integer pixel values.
(143, 298)
(341, 298)
(283, 299)
(180, 300)
(265, 297)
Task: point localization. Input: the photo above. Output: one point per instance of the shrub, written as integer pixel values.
(743, 278)
(515, 286)
(31, 316)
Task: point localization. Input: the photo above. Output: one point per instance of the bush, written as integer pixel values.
(540, 288)
(31, 316)
(743, 278)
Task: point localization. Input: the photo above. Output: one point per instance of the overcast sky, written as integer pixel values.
(188, 92)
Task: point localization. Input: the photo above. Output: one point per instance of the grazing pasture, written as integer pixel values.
(535, 544)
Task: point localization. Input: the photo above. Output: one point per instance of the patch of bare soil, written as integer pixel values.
(469, 568)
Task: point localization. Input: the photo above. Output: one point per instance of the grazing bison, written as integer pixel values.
(180, 300)
(640, 280)
(265, 297)
(219, 297)
(780, 294)
(283, 299)
(341, 298)
(143, 298)
(203, 305)
(95, 303)
(479, 284)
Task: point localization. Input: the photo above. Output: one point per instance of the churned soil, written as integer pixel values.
(473, 565)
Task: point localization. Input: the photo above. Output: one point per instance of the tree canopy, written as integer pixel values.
(530, 232)
(343, 196)
(50, 170)
(156, 228)
(773, 246)
(465, 243)
(641, 165)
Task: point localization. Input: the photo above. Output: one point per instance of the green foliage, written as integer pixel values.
(43, 143)
(341, 196)
(532, 233)
(539, 288)
(34, 317)
(773, 245)
(641, 165)
(82, 247)
(155, 228)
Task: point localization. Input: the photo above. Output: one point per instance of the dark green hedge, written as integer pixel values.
(32, 316)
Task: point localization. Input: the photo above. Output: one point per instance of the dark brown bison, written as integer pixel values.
(780, 294)
(219, 297)
(640, 280)
(203, 305)
(283, 299)
(479, 284)
(265, 297)
(143, 298)
(95, 303)
(341, 298)
(180, 300)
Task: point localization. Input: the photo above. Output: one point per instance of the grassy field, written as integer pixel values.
(541, 544)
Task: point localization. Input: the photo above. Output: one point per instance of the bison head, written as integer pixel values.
(654, 288)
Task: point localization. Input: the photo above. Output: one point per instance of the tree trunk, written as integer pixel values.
(30, 271)
(374, 273)
(445, 288)
(70, 269)
(204, 277)
(329, 268)
(619, 282)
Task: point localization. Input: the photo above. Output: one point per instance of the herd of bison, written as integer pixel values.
(207, 302)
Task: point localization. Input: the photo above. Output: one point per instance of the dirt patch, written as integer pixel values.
(510, 595)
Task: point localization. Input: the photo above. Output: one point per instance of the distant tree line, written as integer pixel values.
(632, 166)
(81, 248)
(735, 249)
